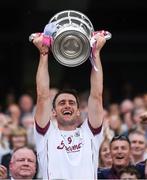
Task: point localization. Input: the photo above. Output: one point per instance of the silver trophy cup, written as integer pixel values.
(71, 39)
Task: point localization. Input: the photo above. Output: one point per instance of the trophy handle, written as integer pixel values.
(32, 36)
(106, 34)
(47, 40)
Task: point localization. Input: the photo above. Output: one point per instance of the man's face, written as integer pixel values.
(66, 110)
(120, 152)
(23, 165)
(138, 144)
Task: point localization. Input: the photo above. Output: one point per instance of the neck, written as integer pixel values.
(66, 128)
(66, 125)
(20, 178)
(118, 169)
(108, 164)
(137, 159)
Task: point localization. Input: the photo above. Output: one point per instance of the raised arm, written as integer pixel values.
(42, 82)
(95, 102)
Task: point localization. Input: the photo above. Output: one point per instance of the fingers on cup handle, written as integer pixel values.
(106, 34)
(47, 40)
(33, 36)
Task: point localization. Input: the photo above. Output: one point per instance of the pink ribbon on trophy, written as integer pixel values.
(47, 34)
(47, 40)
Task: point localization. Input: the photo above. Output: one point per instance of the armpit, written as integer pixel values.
(41, 130)
(95, 131)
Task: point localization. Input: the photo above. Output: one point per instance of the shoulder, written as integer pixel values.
(103, 173)
(140, 165)
(141, 168)
(8, 155)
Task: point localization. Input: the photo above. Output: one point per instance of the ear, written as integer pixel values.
(10, 165)
(78, 113)
(54, 113)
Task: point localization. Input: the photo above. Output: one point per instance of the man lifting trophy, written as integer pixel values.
(68, 149)
(72, 36)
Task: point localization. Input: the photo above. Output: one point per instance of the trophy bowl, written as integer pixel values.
(71, 38)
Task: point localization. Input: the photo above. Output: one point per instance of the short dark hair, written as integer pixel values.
(130, 170)
(67, 91)
(137, 131)
(121, 138)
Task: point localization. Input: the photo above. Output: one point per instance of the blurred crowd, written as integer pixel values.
(125, 119)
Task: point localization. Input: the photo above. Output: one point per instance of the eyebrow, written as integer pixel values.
(22, 158)
(63, 100)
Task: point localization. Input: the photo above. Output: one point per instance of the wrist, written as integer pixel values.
(96, 54)
(43, 53)
(44, 56)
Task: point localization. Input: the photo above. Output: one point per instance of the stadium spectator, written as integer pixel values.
(23, 164)
(120, 148)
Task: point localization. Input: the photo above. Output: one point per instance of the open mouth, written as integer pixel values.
(67, 112)
(120, 157)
